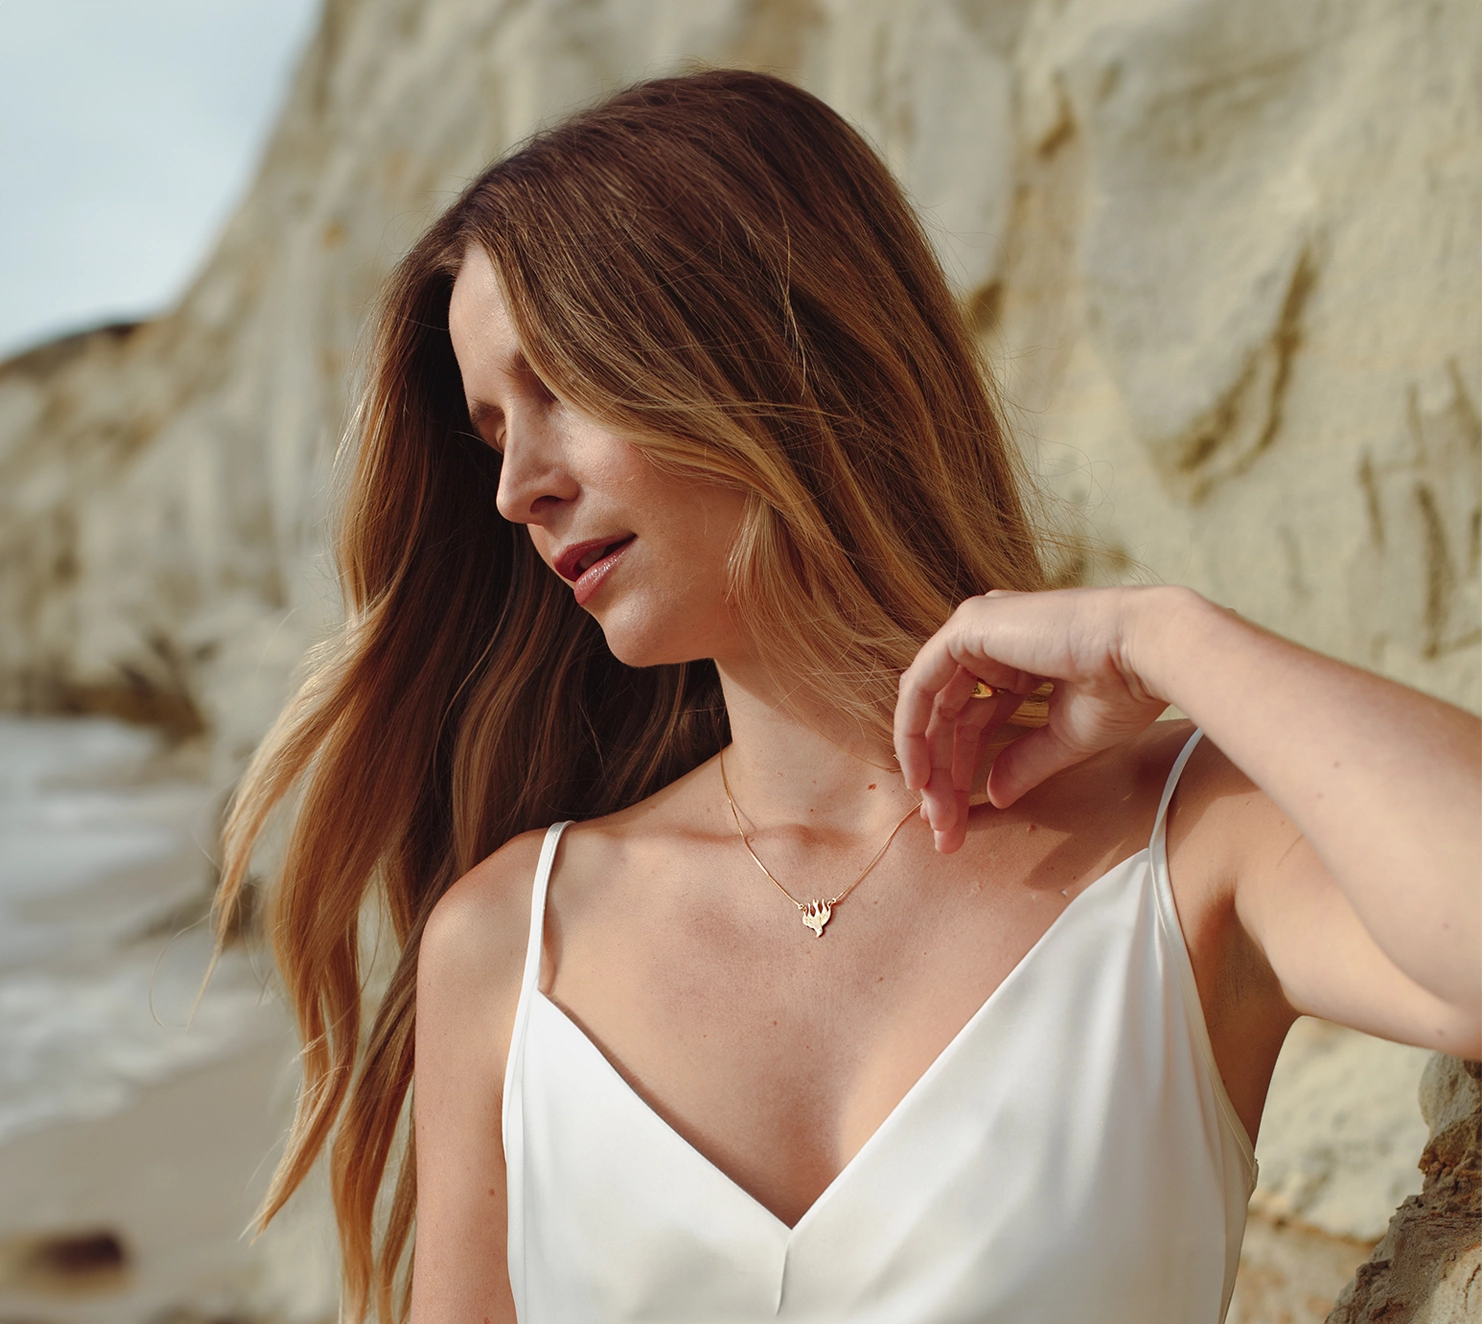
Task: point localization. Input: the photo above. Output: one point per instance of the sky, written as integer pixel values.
(129, 130)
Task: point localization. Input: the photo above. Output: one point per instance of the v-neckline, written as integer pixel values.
(891, 1120)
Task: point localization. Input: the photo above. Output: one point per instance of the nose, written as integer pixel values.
(534, 480)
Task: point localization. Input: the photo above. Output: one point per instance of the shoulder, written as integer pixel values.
(472, 949)
(1146, 761)
(677, 814)
(470, 960)
(1119, 788)
(1100, 811)
(1210, 789)
(1220, 820)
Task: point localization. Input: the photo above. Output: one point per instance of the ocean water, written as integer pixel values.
(104, 868)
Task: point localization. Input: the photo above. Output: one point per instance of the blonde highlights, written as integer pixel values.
(718, 268)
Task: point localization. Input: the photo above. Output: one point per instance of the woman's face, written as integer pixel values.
(643, 551)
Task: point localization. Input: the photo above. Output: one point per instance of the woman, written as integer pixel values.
(752, 1038)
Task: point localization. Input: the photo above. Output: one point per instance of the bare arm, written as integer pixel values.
(1370, 912)
(1382, 782)
(468, 983)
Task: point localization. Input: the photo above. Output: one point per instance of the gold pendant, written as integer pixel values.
(816, 914)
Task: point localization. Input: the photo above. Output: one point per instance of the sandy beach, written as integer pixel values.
(137, 1129)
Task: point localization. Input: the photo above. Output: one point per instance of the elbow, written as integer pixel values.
(1471, 1046)
(1460, 1034)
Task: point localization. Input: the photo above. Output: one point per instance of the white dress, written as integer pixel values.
(1071, 1157)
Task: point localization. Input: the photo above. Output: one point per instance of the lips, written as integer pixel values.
(587, 564)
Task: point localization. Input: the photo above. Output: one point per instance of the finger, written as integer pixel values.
(965, 742)
(1027, 762)
(946, 797)
(957, 693)
(920, 683)
(956, 729)
(937, 664)
(946, 809)
(952, 837)
(938, 794)
(952, 707)
(977, 721)
(934, 670)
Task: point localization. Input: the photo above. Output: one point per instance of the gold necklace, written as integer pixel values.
(816, 914)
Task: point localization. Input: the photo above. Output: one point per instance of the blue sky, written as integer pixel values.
(129, 129)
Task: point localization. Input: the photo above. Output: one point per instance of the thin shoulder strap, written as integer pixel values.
(537, 907)
(1178, 951)
(1171, 785)
(512, 1113)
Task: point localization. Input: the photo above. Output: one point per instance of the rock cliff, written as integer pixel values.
(1227, 256)
(1428, 1268)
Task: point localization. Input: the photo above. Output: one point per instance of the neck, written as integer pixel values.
(790, 764)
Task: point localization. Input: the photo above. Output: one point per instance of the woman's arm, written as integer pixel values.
(468, 984)
(1383, 783)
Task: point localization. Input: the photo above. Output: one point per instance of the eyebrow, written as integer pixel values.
(481, 411)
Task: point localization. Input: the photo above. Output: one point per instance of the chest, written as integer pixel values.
(962, 1200)
(777, 1053)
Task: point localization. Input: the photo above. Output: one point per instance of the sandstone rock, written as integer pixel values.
(1227, 253)
(1428, 1268)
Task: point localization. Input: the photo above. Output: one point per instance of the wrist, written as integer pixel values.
(1166, 621)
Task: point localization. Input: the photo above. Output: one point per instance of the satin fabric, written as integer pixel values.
(1071, 1156)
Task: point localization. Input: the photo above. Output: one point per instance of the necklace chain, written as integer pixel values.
(817, 913)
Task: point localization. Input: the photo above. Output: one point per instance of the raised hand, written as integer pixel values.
(1083, 640)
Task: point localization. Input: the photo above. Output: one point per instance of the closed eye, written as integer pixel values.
(528, 386)
(488, 423)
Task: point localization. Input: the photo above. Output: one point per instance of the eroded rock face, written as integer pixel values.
(1227, 255)
(1428, 1268)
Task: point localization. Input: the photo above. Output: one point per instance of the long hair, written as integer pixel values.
(719, 269)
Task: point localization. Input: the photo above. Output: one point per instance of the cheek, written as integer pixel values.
(710, 527)
(688, 593)
(700, 569)
(679, 614)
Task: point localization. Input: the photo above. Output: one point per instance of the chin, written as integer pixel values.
(634, 651)
(638, 639)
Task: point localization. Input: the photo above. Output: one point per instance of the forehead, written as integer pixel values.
(479, 323)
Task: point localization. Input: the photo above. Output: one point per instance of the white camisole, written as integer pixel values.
(1071, 1157)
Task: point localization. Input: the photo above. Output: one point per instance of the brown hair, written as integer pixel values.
(720, 269)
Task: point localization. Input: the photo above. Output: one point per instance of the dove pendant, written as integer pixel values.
(816, 915)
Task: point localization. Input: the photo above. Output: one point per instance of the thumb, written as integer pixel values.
(1030, 760)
